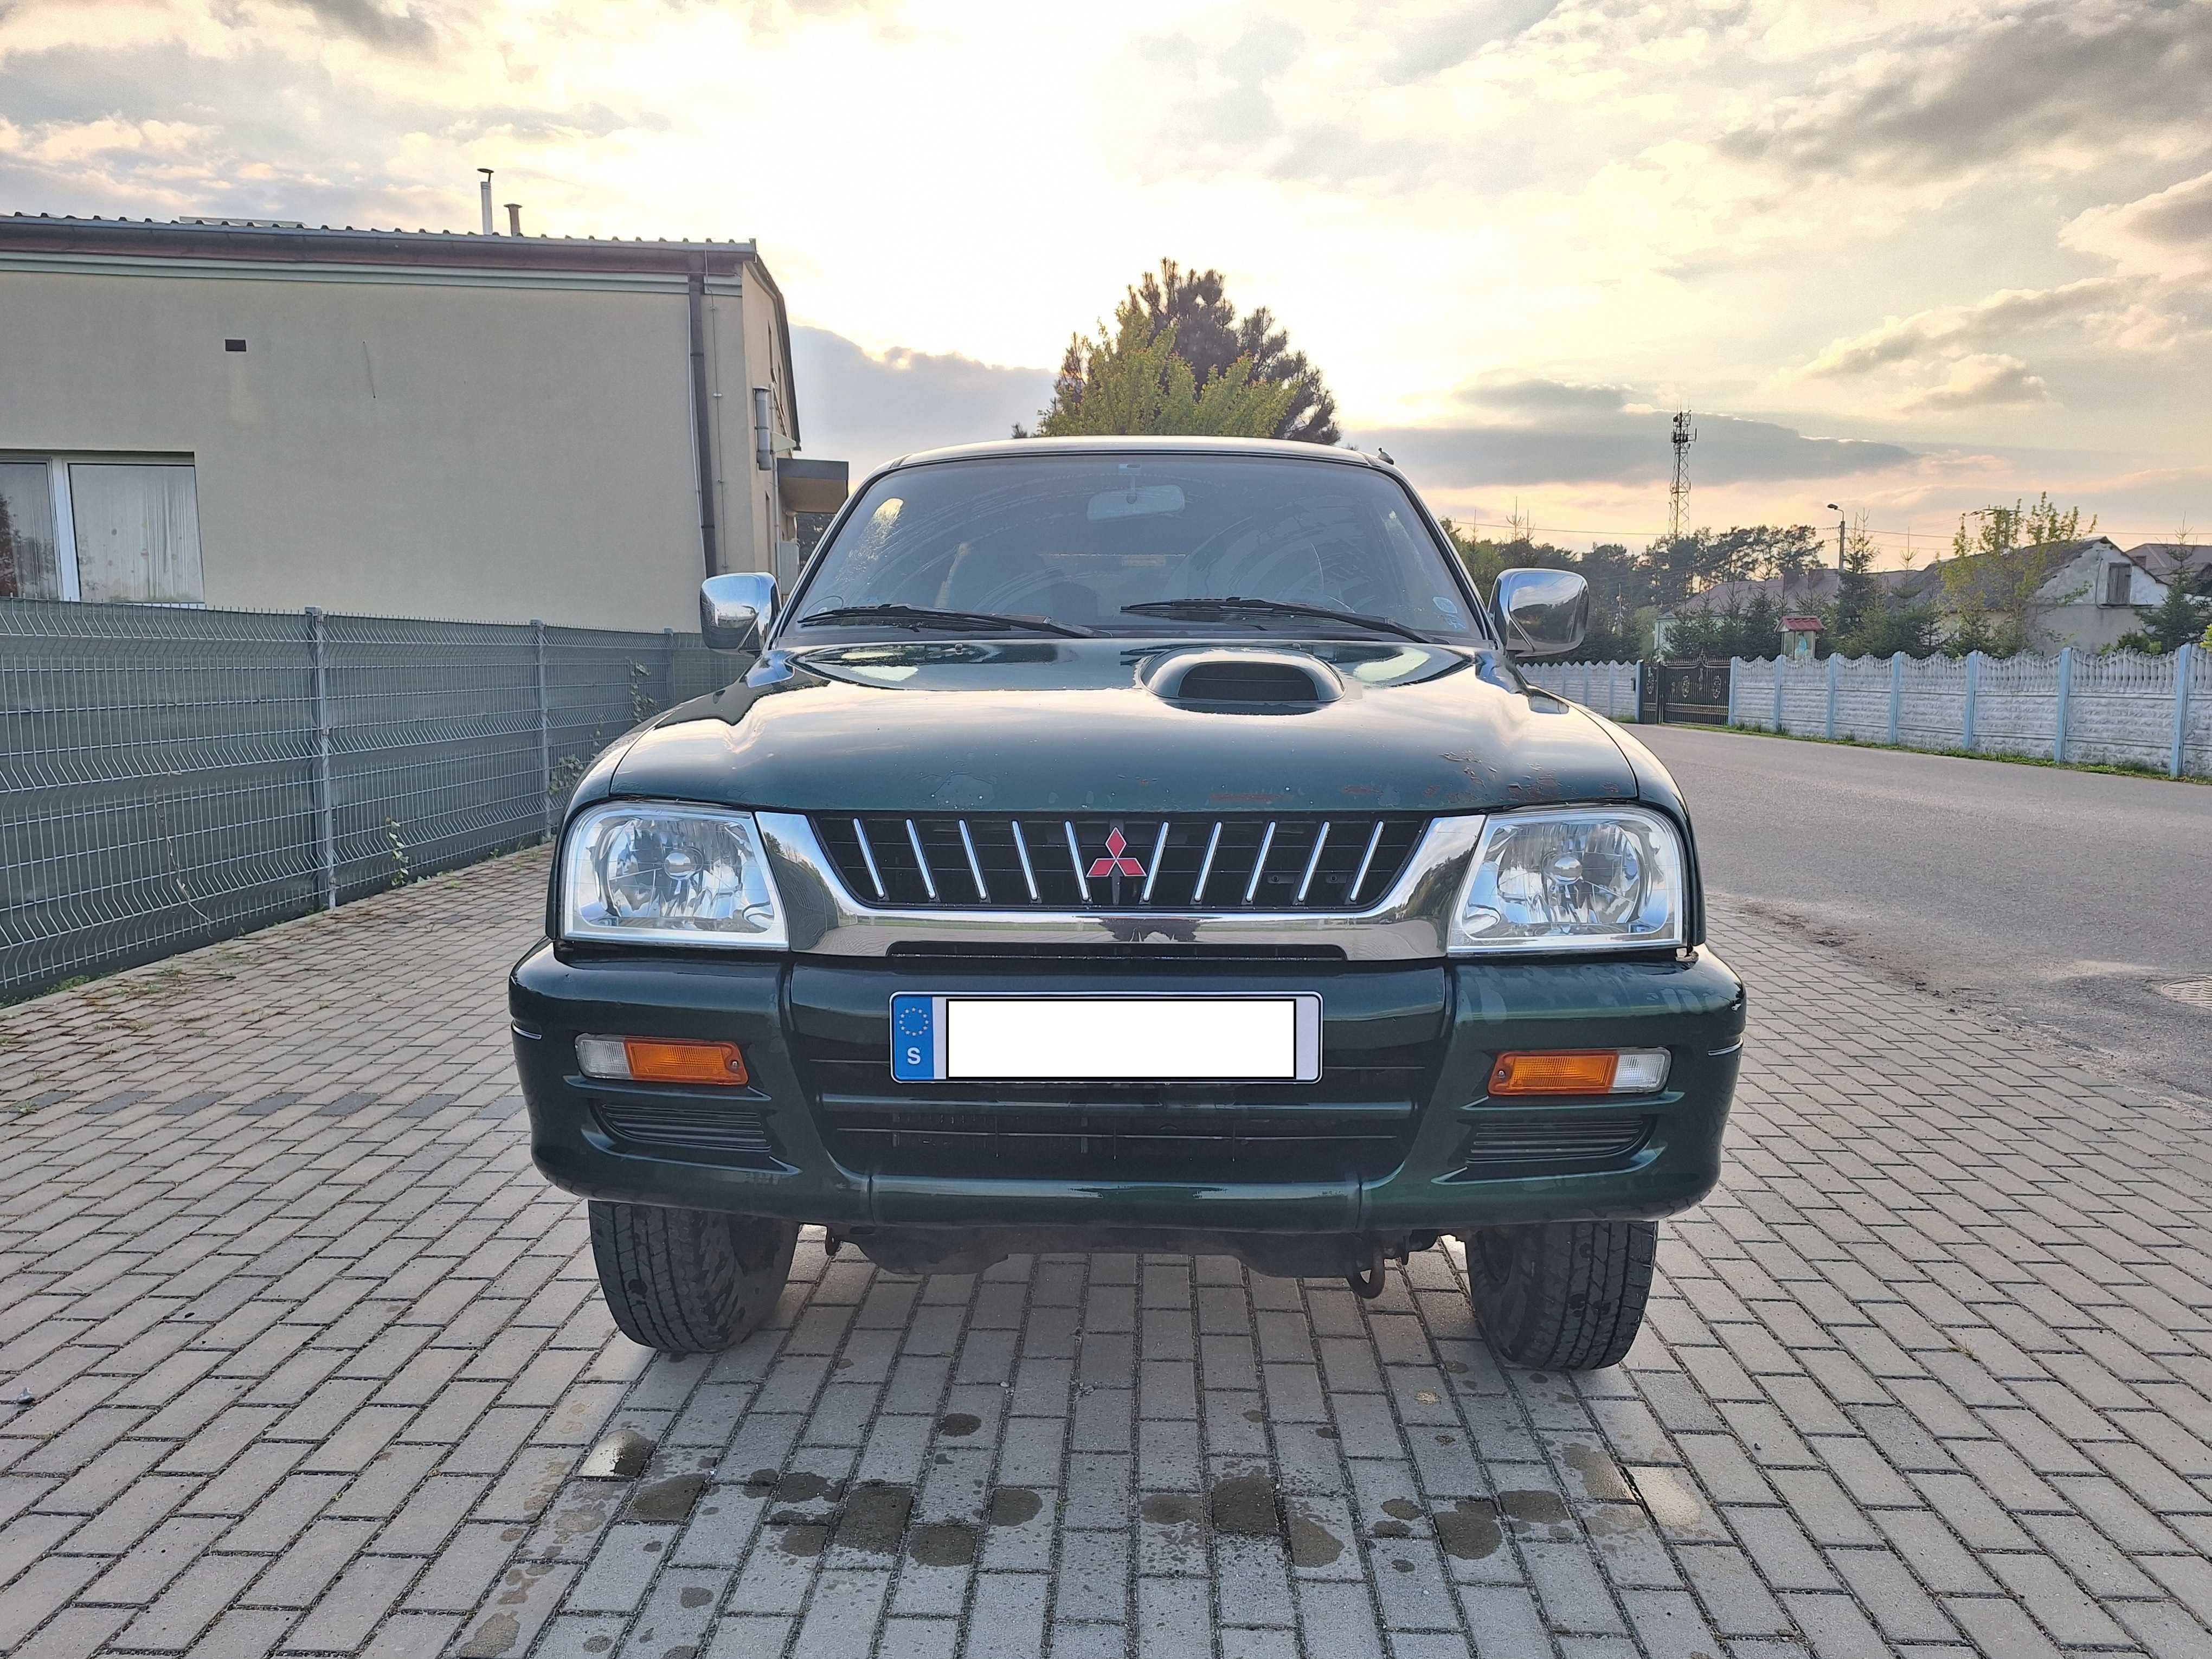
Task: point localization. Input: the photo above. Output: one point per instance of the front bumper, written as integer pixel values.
(1406, 1108)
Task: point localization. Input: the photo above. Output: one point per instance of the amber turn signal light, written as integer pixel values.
(1580, 1072)
(662, 1059)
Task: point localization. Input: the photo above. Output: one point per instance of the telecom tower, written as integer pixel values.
(1685, 436)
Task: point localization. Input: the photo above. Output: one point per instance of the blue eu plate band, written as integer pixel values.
(917, 1037)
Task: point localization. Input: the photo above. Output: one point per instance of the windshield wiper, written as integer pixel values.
(920, 616)
(1233, 606)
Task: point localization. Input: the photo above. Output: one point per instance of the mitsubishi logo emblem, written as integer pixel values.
(1116, 863)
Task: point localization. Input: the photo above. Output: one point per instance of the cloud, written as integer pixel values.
(1624, 449)
(2065, 81)
(871, 407)
(404, 28)
(1949, 331)
(2167, 234)
(1543, 397)
(1978, 382)
(1427, 48)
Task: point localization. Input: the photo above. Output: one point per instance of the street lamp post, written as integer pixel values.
(1839, 512)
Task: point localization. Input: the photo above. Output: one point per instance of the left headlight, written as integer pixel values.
(668, 875)
(1602, 878)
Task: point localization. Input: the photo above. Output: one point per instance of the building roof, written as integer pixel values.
(272, 242)
(2166, 560)
(1800, 624)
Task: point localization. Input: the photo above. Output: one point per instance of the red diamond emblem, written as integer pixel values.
(1115, 864)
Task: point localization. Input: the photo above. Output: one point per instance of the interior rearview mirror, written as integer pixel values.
(737, 610)
(1541, 612)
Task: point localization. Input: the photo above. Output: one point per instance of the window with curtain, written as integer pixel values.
(137, 532)
(28, 566)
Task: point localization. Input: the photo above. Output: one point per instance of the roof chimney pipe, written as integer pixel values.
(483, 199)
(514, 218)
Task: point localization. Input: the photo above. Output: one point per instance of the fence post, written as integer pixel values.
(668, 688)
(1831, 695)
(2184, 661)
(2066, 697)
(326, 839)
(1781, 671)
(1733, 663)
(1637, 675)
(545, 723)
(1896, 695)
(1973, 688)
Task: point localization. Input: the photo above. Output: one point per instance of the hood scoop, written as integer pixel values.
(1254, 682)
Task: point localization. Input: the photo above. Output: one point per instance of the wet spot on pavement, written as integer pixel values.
(1533, 1507)
(1312, 1545)
(942, 1544)
(958, 1425)
(1011, 1505)
(1469, 1530)
(875, 1516)
(665, 1500)
(1243, 1505)
(621, 1456)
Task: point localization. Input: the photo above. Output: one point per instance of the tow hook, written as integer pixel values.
(1369, 1284)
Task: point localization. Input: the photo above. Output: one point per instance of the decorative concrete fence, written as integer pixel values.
(1614, 689)
(2120, 707)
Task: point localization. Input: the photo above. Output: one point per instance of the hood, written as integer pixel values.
(1097, 726)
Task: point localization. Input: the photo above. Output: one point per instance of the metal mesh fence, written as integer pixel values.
(168, 777)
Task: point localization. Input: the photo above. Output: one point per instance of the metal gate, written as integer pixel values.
(1695, 693)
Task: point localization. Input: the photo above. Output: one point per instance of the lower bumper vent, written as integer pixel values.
(682, 1126)
(1533, 1144)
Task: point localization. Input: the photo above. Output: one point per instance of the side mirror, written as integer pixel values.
(736, 610)
(1541, 612)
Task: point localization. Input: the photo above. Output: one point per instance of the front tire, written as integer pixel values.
(1562, 1295)
(689, 1281)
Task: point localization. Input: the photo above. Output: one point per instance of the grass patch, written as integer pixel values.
(2115, 768)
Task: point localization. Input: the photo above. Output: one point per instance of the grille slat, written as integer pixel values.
(1306, 862)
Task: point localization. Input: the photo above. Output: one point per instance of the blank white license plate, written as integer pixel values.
(1223, 1039)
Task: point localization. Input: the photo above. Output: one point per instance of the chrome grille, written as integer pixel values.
(1179, 863)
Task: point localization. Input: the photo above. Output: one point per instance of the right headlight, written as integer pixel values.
(663, 873)
(1585, 879)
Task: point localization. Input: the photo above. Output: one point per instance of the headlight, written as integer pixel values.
(668, 875)
(1595, 878)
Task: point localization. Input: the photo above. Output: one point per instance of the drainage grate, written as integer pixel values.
(2197, 992)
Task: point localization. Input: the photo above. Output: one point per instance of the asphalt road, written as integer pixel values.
(2066, 899)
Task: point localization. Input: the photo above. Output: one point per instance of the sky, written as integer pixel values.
(1911, 259)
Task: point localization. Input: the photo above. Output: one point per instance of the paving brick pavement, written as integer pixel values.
(314, 1364)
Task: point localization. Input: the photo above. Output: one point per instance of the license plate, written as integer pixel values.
(1088, 1039)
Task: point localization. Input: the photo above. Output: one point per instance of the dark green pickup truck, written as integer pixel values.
(1135, 845)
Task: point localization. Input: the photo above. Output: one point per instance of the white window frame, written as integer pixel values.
(59, 462)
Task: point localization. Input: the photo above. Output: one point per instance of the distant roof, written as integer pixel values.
(2164, 560)
(1800, 624)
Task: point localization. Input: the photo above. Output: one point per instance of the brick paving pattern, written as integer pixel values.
(298, 1355)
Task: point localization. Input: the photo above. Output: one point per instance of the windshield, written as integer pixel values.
(1077, 540)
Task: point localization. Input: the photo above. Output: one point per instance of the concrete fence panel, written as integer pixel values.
(1611, 689)
(2119, 708)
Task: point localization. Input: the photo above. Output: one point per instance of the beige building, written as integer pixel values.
(479, 427)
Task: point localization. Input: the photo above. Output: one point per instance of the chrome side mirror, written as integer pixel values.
(1541, 612)
(736, 611)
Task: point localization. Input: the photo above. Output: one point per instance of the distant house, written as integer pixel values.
(2093, 594)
